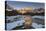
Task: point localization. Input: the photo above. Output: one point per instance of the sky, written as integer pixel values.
(18, 5)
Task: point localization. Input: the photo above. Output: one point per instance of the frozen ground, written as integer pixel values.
(14, 24)
(21, 21)
(40, 17)
(35, 25)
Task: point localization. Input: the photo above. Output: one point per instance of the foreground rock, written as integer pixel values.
(28, 22)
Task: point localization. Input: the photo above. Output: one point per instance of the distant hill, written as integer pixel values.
(11, 12)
